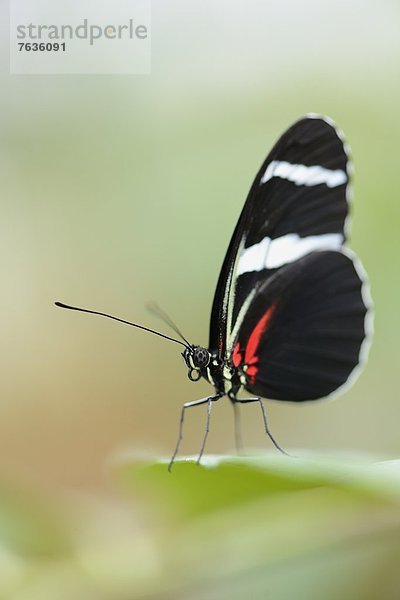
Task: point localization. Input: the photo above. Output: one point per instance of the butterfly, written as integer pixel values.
(291, 318)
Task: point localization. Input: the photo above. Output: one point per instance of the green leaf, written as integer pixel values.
(225, 481)
(271, 526)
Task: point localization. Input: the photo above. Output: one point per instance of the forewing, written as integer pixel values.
(297, 204)
(304, 334)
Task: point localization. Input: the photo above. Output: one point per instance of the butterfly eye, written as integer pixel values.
(201, 357)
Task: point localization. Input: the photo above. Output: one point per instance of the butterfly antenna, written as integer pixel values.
(96, 312)
(161, 314)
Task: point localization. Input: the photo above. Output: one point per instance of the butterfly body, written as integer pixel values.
(224, 376)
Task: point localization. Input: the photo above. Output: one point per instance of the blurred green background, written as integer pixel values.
(117, 190)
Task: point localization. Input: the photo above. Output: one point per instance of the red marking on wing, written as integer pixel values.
(251, 358)
(236, 356)
(251, 372)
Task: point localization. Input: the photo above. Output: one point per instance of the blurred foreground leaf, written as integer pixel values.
(267, 527)
(274, 527)
(31, 526)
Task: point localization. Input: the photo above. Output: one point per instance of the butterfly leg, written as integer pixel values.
(209, 400)
(238, 428)
(264, 415)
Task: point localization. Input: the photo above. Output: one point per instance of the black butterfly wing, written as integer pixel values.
(303, 335)
(297, 204)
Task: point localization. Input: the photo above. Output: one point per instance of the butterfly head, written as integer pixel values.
(196, 358)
